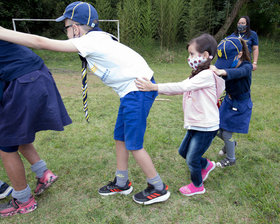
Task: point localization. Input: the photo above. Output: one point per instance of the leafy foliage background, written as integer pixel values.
(168, 22)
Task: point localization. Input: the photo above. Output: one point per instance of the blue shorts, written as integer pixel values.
(9, 148)
(132, 118)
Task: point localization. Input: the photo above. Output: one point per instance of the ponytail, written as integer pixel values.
(246, 54)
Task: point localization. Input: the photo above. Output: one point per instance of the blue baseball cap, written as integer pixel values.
(81, 12)
(227, 50)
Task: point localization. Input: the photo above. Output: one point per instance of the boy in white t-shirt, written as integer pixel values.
(117, 66)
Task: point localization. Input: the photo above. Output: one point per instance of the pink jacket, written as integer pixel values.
(200, 96)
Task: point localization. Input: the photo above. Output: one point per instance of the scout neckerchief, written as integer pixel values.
(84, 86)
(84, 76)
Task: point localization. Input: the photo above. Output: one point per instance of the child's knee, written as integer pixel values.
(182, 153)
(227, 136)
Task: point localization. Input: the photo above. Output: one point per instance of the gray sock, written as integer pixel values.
(22, 196)
(1, 183)
(122, 177)
(39, 168)
(156, 182)
(229, 145)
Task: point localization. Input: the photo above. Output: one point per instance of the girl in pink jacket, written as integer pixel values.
(201, 92)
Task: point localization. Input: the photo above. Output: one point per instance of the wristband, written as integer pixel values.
(255, 62)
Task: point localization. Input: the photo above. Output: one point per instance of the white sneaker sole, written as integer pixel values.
(128, 191)
(155, 200)
(200, 192)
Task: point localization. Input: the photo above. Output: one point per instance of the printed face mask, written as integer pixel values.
(241, 28)
(195, 62)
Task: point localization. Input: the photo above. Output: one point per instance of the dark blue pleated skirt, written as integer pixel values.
(30, 104)
(235, 115)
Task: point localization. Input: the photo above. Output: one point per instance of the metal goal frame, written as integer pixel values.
(52, 20)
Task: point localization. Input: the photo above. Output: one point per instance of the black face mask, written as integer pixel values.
(241, 28)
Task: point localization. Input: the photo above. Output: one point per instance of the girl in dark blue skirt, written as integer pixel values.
(29, 102)
(234, 65)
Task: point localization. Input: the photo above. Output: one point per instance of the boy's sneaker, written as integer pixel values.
(205, 172)
(15, 206)
(111, 188)
(5, 190)
(190, 190)
(150, 195)
(224, 163)
(45, 182)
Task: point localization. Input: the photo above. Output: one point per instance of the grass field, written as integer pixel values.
(83, 156)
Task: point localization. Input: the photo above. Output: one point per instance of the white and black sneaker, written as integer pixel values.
(150, 195)
(5, 190)
(111, 188)
(224, 163)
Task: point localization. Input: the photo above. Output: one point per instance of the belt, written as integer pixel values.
(242, 96)
(235, 99)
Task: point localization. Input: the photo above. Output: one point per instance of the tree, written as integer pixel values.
(199, 14)
(106, 11)
(130, 26)
(223, 30)
(169, 16)
(265, 17)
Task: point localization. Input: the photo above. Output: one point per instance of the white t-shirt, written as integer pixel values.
(114, 63)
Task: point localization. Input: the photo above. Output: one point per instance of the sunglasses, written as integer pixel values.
(66, 27)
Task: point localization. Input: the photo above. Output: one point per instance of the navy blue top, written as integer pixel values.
(16, 61)
(251, 41)
(238, 80)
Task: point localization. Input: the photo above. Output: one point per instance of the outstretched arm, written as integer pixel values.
(219, 72)
(177, 88)
(35, 41)
(146, 85)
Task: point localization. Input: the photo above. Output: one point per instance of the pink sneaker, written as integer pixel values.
(205, 172)
(45, 182)
(190, 190)
(14, 207)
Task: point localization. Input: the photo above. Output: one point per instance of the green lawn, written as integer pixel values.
(83, 156)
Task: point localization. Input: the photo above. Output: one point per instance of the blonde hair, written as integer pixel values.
(86, 28)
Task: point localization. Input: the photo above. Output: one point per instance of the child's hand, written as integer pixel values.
(219, 72)
(145, 85)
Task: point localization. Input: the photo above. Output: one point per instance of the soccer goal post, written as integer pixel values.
(53, 20)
